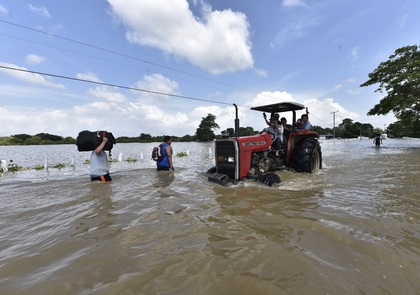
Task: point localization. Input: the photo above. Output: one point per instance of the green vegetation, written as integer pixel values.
(12, 167)
(131, 160)
(181, 154)
(399, 79)
(59, 166)
(38, 139)
(205, 131)
(112, 160)
(39, 167)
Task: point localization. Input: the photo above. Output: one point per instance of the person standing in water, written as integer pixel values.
(166, 162)
(377, 140)
(99, 168)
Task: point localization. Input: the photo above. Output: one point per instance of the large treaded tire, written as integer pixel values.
(212, 170)
(270, 179)
(307, 156)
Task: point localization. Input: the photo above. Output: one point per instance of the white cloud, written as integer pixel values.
(88, 76)
(22, 75)
(105, 93)
(265, 97)
(320, 112)
(355, 53)
(296, 29)
(353, 92)
(402, 21)
(157, 83)
(34, 59)
(261, 73)
(3, 10)
(219, 41)
(39, 10)
(101, 91)
(292, 3)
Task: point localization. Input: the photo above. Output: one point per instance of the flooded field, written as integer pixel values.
(351, 228)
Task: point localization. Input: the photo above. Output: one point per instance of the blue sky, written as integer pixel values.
(208, 54)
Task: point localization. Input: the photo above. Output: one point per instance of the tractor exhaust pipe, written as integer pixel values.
(236, 121)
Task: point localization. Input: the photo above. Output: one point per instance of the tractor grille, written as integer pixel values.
(226, 157)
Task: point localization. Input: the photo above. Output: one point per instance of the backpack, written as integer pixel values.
(157, 153)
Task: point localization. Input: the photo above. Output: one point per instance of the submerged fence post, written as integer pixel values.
(3, 165)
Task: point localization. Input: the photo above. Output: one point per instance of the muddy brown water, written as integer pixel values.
(351, 228)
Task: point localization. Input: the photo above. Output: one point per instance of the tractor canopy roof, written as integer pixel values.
(280, 107)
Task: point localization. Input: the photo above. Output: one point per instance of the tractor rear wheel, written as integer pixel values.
(307, 156)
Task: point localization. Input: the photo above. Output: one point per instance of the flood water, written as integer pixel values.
(351, 228)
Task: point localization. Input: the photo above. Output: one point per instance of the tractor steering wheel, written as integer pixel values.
(272, 135)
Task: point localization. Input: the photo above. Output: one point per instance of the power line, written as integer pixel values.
(120, 54)
(117, 86)
(96, 57)
(312, 115)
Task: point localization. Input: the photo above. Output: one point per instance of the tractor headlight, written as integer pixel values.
(231, 159)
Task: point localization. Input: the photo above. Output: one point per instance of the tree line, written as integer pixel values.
(206, 132)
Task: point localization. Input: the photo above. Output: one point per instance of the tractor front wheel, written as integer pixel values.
(270, 179)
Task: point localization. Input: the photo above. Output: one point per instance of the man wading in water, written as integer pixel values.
(166, 162)
(378, 140)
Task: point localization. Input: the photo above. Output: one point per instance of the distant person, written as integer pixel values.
(377, 140)
(99, 168)
(305, 124)
(166, 162)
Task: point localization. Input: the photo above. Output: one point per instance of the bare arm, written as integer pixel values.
(100, 148)
(169, 154)
(266, 120)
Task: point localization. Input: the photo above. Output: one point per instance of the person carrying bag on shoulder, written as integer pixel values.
(166, 163)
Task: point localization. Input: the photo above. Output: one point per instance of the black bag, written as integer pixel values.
(89, 141)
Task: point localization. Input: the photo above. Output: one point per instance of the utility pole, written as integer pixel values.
(334, 123)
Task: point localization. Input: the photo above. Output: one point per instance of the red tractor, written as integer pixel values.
(253, 157)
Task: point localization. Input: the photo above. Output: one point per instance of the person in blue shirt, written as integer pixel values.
(99, 168)
(166, 162)
(305, 124)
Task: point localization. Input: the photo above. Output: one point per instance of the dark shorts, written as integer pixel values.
(102, 178)
(161, 168)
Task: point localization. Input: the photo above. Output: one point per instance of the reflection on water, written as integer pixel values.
(351, 228)
(98, 220)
